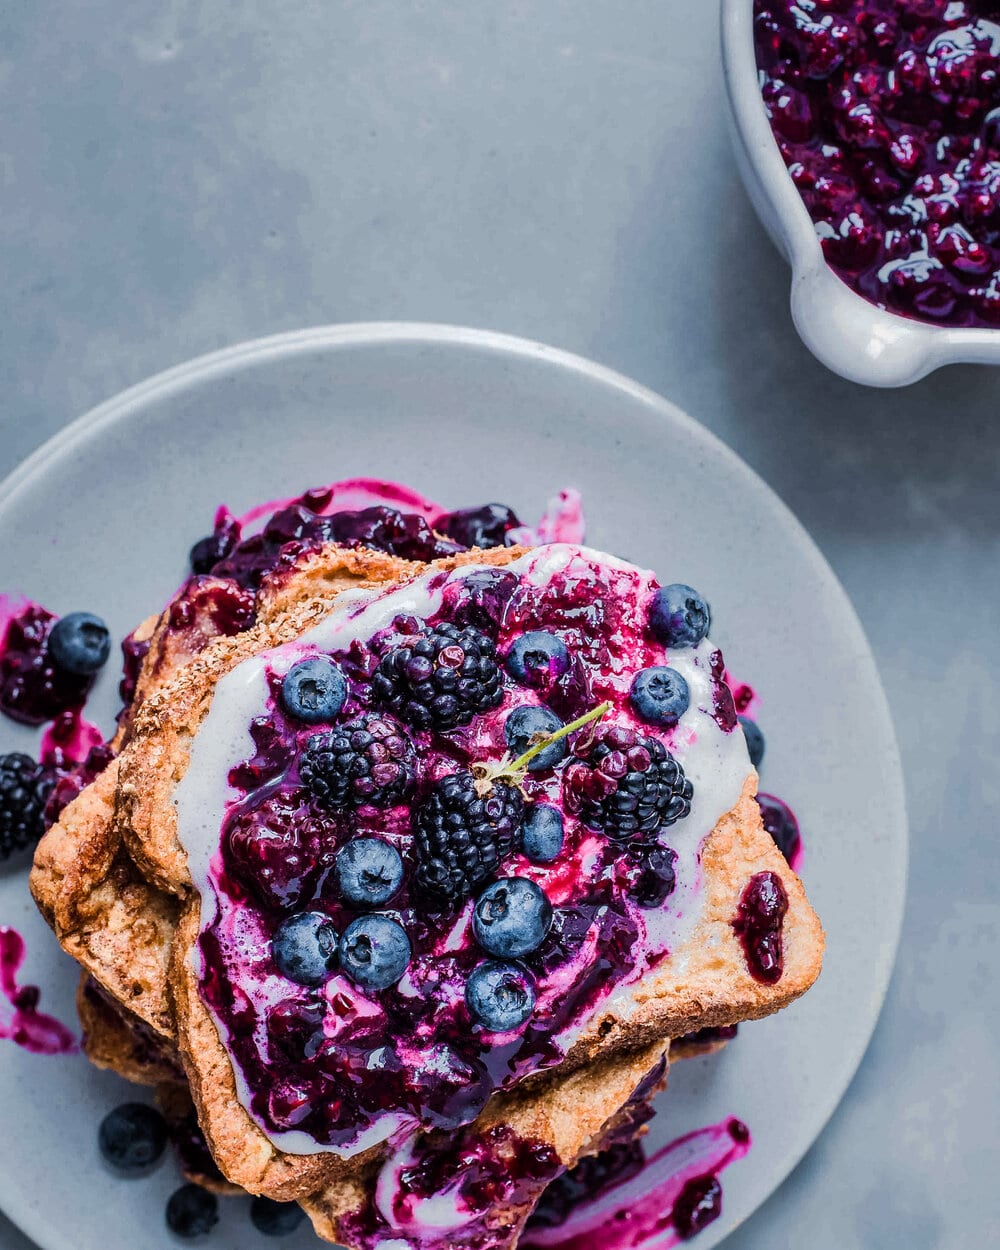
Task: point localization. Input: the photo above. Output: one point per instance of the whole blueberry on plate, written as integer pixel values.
(79, 643)
(192, 1211)
(368, 871)
(374, 951)
(512, 917)
(305, 948)
(543, 833)
(679, 616)
(275, 1219)
(525, 726)
(659, 695)
(132, 1137)
(755, 740)
(500, 996)
(537, 658)
(314, 690)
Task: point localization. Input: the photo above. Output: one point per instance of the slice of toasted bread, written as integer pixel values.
(115, 1038)
(705, 983)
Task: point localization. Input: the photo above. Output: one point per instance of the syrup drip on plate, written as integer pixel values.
(27, 1026)
(669, 1200)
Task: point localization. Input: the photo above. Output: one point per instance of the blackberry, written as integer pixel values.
(626, 785)
(24, 788)
(441, 678)
(462, 837)
(366, 760)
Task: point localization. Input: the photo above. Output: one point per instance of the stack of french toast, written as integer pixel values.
(569, 872)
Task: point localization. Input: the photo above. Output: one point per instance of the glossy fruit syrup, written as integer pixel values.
(330, 1061)
(25, 1025)
(887, 113)
(663, 1201)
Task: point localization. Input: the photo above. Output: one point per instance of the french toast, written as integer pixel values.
(114, 879)
(713, 989)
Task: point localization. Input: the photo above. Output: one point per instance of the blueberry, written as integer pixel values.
(192, 1211)
(313, 690)
(659, 695)
(369, 872)
(527, 724)
(305, 948)
(275, 1219)
(537, 658)
(512, 917)
(755, 740)
(80, 643)
(374, 951)
(679, 616)
(132, 1137)
(500, 996)
(542, 836)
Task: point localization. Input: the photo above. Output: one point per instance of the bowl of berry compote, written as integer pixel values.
(868, 135)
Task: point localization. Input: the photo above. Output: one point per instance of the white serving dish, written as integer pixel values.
(847, 333)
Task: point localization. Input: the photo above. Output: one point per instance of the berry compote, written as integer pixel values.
(326, 1063)
(887, 113)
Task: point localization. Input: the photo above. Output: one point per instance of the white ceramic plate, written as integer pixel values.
(102, 516)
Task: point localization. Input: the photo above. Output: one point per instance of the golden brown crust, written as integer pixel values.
(116, 1039)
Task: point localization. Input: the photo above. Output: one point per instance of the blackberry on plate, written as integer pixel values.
(441, 678)
(627, 785)
(368, 759)
(24, 788)
(462, 836)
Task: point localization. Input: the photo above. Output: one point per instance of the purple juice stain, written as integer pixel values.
(780, 822)
(886, 114)
(32, 689)
(677, 1193)
(27, 1026)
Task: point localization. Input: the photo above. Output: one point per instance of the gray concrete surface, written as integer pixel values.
(179, 175)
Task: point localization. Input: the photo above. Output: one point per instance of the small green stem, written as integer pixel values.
(520, 765)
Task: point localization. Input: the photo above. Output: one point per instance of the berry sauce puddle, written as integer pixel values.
(887, 114)
(337, 1068)
(27, 1026)
(660, 1202)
